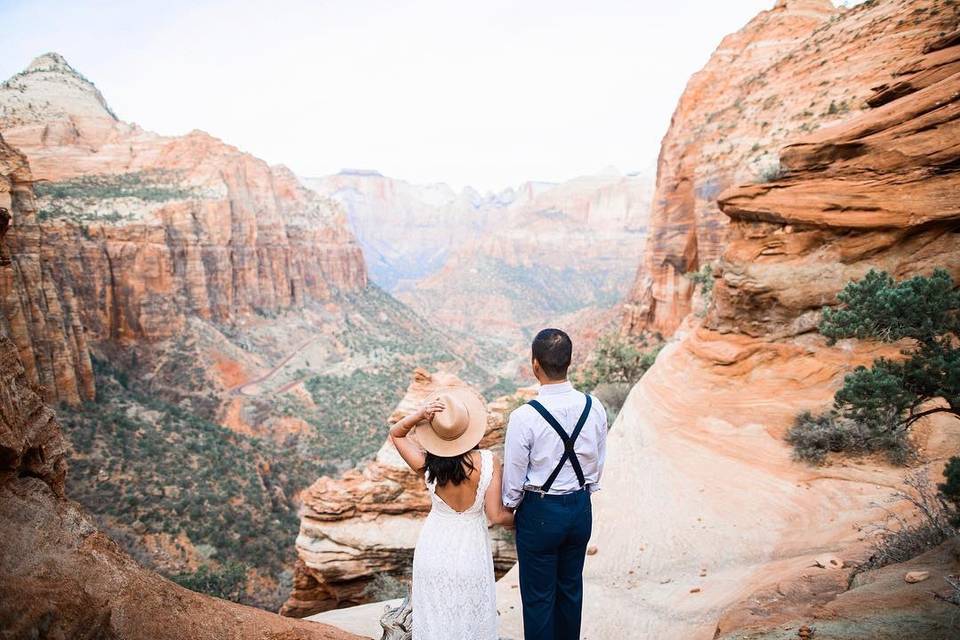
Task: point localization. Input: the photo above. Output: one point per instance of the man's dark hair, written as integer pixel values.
(552, 348)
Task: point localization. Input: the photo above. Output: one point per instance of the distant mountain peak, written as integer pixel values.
(48, 89)
(51, 61)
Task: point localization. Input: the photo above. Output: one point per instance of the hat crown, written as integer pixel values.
(452, 422)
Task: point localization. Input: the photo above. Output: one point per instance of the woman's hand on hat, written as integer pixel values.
(430, 408)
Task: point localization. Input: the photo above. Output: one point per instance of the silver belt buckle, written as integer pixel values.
(535, 490)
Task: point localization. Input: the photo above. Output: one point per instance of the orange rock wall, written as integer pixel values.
(801, 66)
(149, 229)
(38, 312)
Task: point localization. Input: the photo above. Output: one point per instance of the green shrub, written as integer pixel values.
(886, 399)
(950, 490)
(815, 436)
(613, 367)
(228, 582)
(770, 173)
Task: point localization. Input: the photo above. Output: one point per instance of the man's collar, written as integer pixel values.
(555, 387)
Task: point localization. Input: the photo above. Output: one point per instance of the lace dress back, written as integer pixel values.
(453, 583)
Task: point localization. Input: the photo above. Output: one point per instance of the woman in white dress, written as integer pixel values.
(453, 581)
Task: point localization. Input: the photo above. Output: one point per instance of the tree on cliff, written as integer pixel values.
(876, 406)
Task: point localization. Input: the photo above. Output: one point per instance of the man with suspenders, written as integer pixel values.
(553, 459)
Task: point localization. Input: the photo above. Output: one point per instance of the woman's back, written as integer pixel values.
(460, 497)
(453, 581)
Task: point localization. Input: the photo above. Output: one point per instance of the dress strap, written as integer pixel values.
(486, 474)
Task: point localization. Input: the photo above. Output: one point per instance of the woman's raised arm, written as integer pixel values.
(409, 450)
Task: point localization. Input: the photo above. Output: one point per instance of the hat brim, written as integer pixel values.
(472, 435)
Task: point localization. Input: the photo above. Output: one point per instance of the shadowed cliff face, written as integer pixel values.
(149, 230)
(38, 311)
(792, 70)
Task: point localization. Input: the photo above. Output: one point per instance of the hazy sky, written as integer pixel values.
(488, 93)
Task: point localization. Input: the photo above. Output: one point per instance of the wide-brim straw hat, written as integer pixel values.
(458, 428)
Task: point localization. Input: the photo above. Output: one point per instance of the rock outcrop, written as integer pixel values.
(800, 66)
(62, 578)
(149, 230)
(880, 191)
(40, 316)
(359, 530)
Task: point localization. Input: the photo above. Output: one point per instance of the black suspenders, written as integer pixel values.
(568, 442)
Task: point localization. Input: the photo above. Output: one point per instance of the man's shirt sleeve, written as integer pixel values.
(602, 430)
(516, 458)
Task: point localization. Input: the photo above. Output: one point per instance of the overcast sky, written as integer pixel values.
(487, 93)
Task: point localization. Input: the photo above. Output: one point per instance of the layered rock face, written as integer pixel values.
(486, 265)
(149, 230)
(73, 581)
(724, 526)
(880, 191)
(358, 531)
(40, 316)
(800, 66)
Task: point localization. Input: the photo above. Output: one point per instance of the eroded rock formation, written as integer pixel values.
(792, 70)
(880, 191)
(41, 317)
(149, 230)
(62, 578)
(360, 529)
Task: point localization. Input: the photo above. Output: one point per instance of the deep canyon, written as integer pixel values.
(200, 352)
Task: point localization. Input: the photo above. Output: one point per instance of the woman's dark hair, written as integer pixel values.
(443, 469)
(552, 348)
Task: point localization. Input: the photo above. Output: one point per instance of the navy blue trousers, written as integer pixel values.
(552, 534)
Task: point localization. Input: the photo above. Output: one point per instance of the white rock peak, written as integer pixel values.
(50, 89)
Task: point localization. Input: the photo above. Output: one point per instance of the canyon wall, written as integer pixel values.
(149, 230)
(800, 66)
(706, 526)
(225, 307)
(358, 532)
(486, 264)
(73, 581)
(40, 317)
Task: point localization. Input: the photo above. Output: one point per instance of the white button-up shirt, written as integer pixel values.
(533, 448)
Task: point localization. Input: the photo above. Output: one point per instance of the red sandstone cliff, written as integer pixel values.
(800, 66)
(149, 230)
(40, 316)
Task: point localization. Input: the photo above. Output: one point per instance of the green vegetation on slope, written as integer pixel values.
(88, 198)
(149, 457)
(146, 463)
(351, 409)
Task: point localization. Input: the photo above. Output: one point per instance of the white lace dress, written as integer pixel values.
(453, 586)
